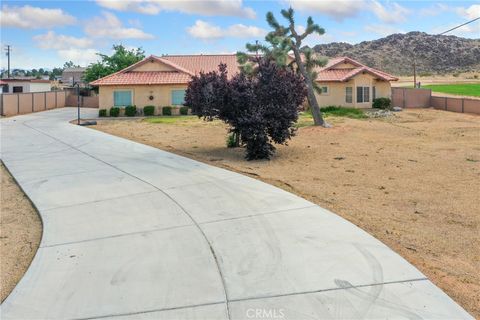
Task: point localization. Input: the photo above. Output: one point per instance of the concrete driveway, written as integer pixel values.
(133, 232)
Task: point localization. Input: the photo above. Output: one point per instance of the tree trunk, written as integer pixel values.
(312, 100)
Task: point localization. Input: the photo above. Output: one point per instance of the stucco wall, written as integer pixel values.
(336, 94)
(40, 86)
(162, 95)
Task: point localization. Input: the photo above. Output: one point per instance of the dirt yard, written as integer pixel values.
(20, 232)
(412, 181)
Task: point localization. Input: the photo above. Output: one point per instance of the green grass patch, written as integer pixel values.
(172, 119)
(333, 111)
(306, 119)
(462, 89)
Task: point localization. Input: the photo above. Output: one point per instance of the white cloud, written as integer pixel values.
(109, 26)
(392, 13)
(28, 17)
(337, 9)
(382, 30)
(471, 12)
(200, 7)
(207, 31)
(51, 40)
(434, 9)
(81, 57)
(314, 38)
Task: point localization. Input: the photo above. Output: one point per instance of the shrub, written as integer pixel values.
(475, 76)
(231, 141)
(183, 111)
(148, 110)
(130, 111)
(114, 111)
(102, 112)
(167, 111)
(382, 103)
(260, 107)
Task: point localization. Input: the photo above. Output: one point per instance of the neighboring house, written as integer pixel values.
(346, 82)
(158, 81)
(162, 81)
(70, 76)
(19, 85)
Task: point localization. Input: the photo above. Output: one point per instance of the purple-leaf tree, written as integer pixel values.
(261, 108)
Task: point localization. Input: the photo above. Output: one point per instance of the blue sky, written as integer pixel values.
(48, 33)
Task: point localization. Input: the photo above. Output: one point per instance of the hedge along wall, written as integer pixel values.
(22, 103)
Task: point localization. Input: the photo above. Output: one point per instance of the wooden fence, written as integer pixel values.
(85, 101)
(463, 105)
(422, 98)
(23, 103)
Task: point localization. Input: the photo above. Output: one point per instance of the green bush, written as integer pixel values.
(148, 110)
(102, 112)
(114, 111)
(130, 111)
(382, 103)
(231, 141)
(183, 111)
(167, 111)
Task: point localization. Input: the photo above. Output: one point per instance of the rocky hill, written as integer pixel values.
(394, 54)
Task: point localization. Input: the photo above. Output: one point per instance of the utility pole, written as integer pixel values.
(414, 73)
(7, 49)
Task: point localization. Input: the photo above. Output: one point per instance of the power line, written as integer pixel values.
(459, 26)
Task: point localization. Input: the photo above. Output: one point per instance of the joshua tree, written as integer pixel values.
(284, 39)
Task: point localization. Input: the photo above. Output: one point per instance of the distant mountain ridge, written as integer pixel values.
(434, 54)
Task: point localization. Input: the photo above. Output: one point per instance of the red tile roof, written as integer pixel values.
(330, 73)
(206, 63)
(184, 66)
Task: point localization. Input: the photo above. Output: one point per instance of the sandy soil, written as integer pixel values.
(412, 181)
(20, 232)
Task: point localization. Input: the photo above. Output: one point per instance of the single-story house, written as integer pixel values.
(158, 81)
(162, 81)
(25, 85)
(346, 82)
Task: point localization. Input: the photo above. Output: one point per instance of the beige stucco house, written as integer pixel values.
(162, 81)
(346, 82)
(158, 81)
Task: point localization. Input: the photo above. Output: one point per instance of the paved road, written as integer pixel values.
(133, 232)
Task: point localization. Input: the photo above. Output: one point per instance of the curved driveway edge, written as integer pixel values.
(133, 232)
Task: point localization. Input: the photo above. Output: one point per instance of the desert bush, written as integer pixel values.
(260, 107)
(148, 110)
(102, 113)
(114, 111)
(130, 111)
(167, 111)
(382, 103)
(184, 111)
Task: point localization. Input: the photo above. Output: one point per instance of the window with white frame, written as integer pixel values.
(324, 90)
(348, 94)
(363, 94)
